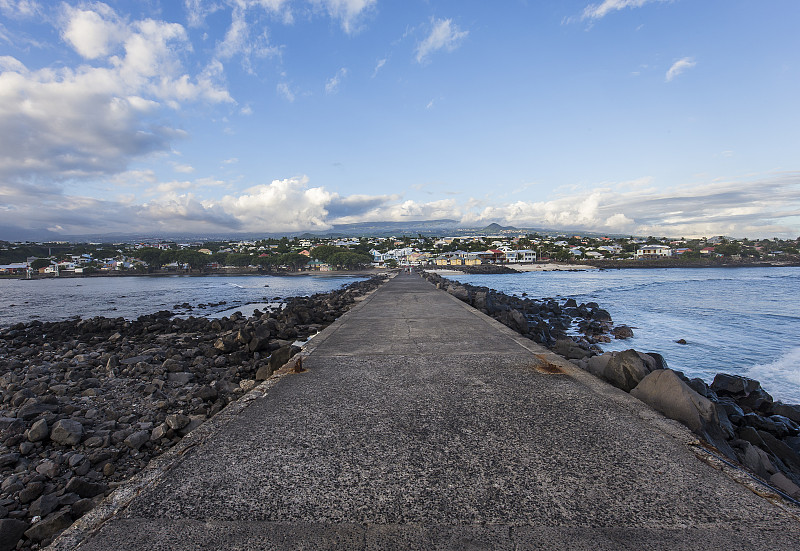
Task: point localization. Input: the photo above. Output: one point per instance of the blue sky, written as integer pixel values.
(648, 117)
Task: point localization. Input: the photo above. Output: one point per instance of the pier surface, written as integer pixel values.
(421, 423)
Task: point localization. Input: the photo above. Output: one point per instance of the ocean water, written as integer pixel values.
(130, 297)
(743, 321)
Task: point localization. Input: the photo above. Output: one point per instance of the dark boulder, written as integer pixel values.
(664, 391)
(626, 369)
(11, 531)
(733, 385)
(622, 332)
(790, 411)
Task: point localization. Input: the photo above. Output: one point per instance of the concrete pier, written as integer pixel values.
(420, 423)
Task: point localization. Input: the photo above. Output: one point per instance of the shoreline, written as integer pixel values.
(95, 399)
(217, 273)
(734, 414)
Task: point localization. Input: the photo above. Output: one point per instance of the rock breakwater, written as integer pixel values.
(86, 403)
(733, 414)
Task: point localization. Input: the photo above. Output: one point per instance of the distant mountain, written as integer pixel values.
(497, 228)
(428, 228)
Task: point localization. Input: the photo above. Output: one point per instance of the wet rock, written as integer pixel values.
(67, 432)
(733, 385)
(786, 410)
(622, 332)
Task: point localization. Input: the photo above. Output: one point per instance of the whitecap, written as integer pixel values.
(782, 376)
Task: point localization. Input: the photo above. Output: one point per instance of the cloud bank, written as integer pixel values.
(767, 207)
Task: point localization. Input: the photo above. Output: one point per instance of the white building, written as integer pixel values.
(521, 256)
(653, 251)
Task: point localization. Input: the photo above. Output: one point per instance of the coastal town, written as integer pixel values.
(512, 248)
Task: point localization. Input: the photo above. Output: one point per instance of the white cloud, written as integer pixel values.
(93, 34)
(598, 11)
(185, 169)
(284, 90)
(679, 67)
(332, 85)
(444, 35)
(66, 123)
(348, 12)
(20, 8)
(378, 67)
(766, 207)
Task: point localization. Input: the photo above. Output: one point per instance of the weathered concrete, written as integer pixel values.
(423, 424)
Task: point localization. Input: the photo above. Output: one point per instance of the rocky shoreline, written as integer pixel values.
(734, 415)
(85, 404)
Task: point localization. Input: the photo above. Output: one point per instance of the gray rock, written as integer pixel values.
(622, 332)
(159, 432)
(8, 459)
(664, 391)
(46, 529)
(67, 432)
(44, 505)
(31, 492)
(137, 439)
(84, 488)
(458, 291)
(47, 468)
(177, 421)
(733, 385)
(749, 434)
(780, 481)
(757, 461)
(787, 410)
(570, 349)
(11, 531)
(181, 377)
(38, 431)
(597, 364)
(81, 507)
(781, 451)
(626, 369)
(264, 372)
(281, 356)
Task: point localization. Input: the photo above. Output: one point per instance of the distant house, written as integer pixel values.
(495, 256)
(681, 251)
(521, 256)
(707, 251)
(319, 266)
(13, 268)
(653, 251)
